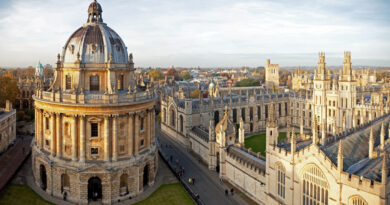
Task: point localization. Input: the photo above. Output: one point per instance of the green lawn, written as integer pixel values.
(21, 194)
(257, 142)
(168, 194)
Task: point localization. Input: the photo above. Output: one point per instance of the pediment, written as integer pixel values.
(95, 119)
(96, 169)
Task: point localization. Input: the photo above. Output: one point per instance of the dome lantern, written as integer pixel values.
(95, 12)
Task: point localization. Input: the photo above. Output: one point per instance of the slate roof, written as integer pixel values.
(355, 150)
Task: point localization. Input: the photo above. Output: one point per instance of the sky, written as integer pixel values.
(205, 33)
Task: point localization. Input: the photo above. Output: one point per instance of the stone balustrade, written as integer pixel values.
(95, 98)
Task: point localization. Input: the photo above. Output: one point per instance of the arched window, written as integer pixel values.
(66, 129)
(357, 200)
(65, 183)
(120, 82)
(123, 185)
(172, 117)
(142, 126)
(281, 181)
(68, 82)
(181, 124)
(314, 186)
(165, 115)
(94, 83)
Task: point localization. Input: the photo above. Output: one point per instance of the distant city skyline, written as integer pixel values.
(223, 33)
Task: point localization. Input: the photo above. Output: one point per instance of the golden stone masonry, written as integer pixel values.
(94, 135)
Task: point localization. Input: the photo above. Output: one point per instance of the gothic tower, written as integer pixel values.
(321, 85)
(346, 93)
(271, 75)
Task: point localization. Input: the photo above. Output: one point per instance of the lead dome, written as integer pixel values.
(95, 42)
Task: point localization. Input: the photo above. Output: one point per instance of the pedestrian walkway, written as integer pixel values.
(207, 185)
(12, 159)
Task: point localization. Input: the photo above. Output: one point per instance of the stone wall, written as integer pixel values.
(7, 128)
(77, 191)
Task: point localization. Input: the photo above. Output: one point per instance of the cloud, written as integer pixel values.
(205, 33)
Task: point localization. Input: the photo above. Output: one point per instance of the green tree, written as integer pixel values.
(248, 82)
(156, 74)
(186, 75)
(195, 93)
(171, 72)
(8, 89)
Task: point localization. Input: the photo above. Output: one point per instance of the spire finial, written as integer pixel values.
(384, 168)
(371, 145)
(340, 156)
(293, 141)
(382, 136)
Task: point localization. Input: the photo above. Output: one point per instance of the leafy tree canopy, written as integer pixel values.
(248, 82)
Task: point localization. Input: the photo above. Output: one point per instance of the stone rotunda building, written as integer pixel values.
(94, 127)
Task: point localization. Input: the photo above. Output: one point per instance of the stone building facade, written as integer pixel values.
(26, 87)
(345, 163)
(301, 80)
(94, 126)
(271, 75)
(7, 126)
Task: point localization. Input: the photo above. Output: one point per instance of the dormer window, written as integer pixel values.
(94, 83)
(142, 124)
(94, 130)
(68, 82)
(120, 82)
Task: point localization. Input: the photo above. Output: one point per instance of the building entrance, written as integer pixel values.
(94, 188)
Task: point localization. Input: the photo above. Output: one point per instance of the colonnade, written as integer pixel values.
(110, 133)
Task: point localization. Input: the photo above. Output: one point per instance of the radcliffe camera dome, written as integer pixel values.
(95, 42)
(94, 124)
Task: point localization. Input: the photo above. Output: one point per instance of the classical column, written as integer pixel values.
(53, 134)
(106, 138)
(115, 138)
(74, 138)
(131, 133)
(41, 129)
(82, 138)
(153, 125)
(59, 134)
(149, 128)
(37, 127)
(136, 137)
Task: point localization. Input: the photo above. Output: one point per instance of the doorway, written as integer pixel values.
(94, 188)
(217, 164)
(42, 171)
(146, 176)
